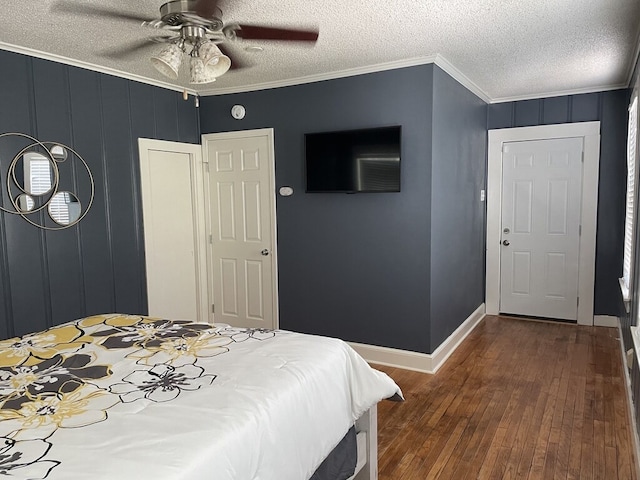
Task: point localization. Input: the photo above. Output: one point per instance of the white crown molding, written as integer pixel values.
(350, 72)
(437, 59)
(465, 81)
(95, 68)
(561, 93)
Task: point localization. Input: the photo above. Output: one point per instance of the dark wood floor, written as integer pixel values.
(517, 400)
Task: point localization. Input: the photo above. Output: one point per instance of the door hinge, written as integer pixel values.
(582, 159)
(579, 230)
(211, 239)
(206, 166)
(213, 308)
(578, 302)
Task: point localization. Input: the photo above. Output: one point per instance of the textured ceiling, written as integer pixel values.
(502, 49)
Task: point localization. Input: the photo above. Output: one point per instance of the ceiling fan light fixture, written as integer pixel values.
(199, 73)
(168, 61)
(216, 62)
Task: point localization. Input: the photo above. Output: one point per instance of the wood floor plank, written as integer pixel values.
(518, 399)
(624, 439)
(542, 440)
(473, 457)
(526, 458)
(587, 441)
(575, 444)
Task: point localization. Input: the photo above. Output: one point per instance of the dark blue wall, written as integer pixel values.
(351, 266)
(97, 266)
(610, 108)
(457, 214)
(359, 266)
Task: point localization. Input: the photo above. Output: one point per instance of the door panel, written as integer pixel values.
(521, 273)
(522, 207)
(242, 247)
(228, 281)
(557, 207)
(557, 275)
(542, 188)
(252, 210)
(172, 193)
(254, 288)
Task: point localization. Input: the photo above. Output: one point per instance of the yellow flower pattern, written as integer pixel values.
(113, 320)
(184, 349)
(66, 338)
(83, 406)
(71, 376)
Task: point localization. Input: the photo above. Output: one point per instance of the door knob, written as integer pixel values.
(265, 252)
(505, 243)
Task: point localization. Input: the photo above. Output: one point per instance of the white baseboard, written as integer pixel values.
(631, 412)
(606, 321)
(420, 362)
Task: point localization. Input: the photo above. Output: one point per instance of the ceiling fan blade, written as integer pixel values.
(236, 64)
(74, 8)
(131, 48)
(208, 8)
(258, 32)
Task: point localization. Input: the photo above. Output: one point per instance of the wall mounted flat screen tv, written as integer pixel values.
(353, 161)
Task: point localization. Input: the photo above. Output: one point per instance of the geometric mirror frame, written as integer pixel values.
(33, 183)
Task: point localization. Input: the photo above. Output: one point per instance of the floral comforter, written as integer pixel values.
(130, 397)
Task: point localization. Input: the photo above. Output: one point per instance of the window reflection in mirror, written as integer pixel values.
(59, 153)
(25, 202)
(64, 208)
(36, 173)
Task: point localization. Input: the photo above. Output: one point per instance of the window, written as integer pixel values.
(629, 228)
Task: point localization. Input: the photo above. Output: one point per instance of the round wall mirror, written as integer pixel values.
(59, 153)
(64, 208)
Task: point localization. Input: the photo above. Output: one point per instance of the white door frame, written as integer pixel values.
(590, 133)
(195, 154)
(268, 132)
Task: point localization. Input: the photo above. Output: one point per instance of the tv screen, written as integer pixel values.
(353, 161)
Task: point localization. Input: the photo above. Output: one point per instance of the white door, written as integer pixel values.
(174, 229)
(541, 209)
(241, 218)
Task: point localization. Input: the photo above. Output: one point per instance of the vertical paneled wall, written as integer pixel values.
(97, 266)
(610, 108)
(457, 214)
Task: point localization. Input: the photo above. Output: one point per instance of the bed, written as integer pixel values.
(134, 397)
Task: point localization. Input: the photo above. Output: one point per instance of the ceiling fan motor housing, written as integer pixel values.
(180, 13)
(193, 33)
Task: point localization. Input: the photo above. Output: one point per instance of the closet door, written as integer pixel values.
(174, 233)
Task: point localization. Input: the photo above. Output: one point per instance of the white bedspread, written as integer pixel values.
(126, 397)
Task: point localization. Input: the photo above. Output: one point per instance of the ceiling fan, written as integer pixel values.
(191, 28)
